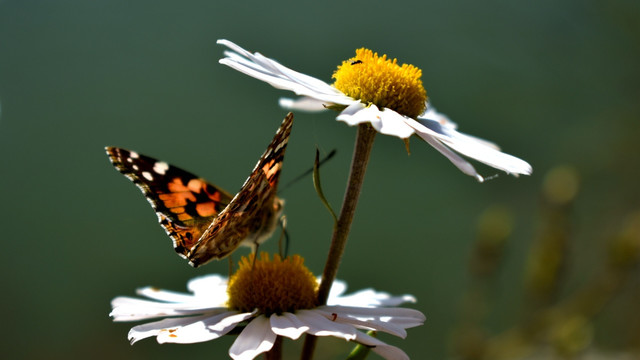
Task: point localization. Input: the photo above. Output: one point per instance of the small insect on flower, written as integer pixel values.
(380, 92)
(203, 221)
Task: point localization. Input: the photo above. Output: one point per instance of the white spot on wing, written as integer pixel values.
(147, 175)
(160, 167)
(134, 155)
(281, 145)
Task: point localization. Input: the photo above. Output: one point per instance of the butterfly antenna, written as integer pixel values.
(306, 173)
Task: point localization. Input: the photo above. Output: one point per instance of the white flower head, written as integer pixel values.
(270, 298)
(373, 89)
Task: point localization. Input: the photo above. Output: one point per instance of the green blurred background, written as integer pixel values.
(555, 83)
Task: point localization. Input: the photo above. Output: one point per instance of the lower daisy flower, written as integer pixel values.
(270, 298)
(373, 89)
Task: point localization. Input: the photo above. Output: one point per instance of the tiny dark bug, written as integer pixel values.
(356, 62)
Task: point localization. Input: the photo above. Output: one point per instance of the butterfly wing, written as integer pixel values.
(252, 215)
(185, 204)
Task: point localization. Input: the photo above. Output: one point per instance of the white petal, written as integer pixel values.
(475, 149)
(208, 285)
(279, 76)
(144, 331)
(394, 124)
(390, 320)
(304, 103)
(319, 325)
(288, 325)
(369, 324)
(131, 309)
(445, 122)
(377, 311)
(232, 320)
(387, 122)
(198, 331)
(370, 298)
(443, 119)
(164, 295)
(438, 136)
(358, 113)
(385, 350)
(338, 287)
(462, 164)
(255, 339)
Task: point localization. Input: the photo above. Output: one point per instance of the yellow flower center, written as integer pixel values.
(272, 286)
(377, 80)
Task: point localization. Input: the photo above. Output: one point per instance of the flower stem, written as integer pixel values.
(276, 351)
(364, 142)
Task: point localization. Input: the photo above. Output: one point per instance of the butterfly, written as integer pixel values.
(204, 221)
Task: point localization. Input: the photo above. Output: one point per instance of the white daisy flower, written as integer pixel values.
(269, 298)
(373, 89)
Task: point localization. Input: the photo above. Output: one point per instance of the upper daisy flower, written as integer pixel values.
(374, 89)
(270, 298)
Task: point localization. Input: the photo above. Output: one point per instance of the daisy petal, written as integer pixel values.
(434, 132)
(385, 350)
(231, 320)
(387, 122)
(443, 119)
(390, 320)
(462, 164)
(370, 297)
(477, 149)
(201, 329)
(288, 325)
(209, 285)
(130, 309)
(394, 124)
(499, 160)
(358, 113)
(144, 331)
(279, 76)
(319, 325)
(304, 103)
(377, 311)
(338, 287)
(255, 339)
(164, 295)
(371, 324)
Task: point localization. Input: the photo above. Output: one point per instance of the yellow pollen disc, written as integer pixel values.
(272, 286)
(377, 80)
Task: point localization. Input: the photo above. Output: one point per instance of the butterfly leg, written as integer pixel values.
(284, 235)
(255, 247)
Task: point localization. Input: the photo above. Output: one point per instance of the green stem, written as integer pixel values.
(364, 143)
(276, 351)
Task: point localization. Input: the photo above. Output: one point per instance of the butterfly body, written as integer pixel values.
(203, 221)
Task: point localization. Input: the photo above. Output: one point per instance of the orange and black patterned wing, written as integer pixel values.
(252, 215)
(185, 204)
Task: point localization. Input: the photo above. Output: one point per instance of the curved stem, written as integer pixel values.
(362, 150)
